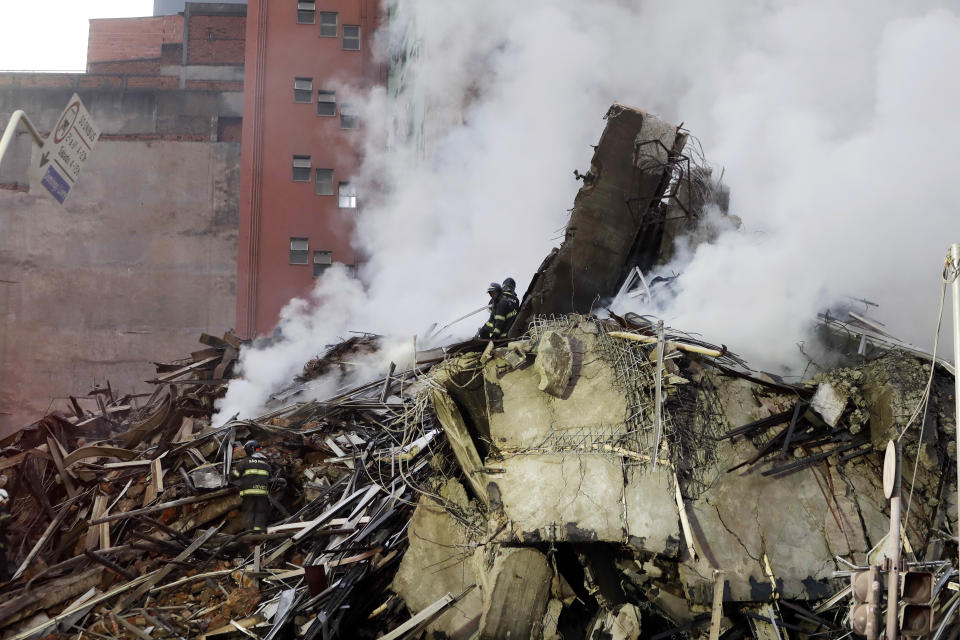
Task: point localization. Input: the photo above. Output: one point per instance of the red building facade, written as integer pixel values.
(300, 147)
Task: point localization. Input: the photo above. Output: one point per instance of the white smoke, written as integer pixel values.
(832, 121)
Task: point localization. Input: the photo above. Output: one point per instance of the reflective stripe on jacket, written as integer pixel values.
(254, 475)
(507, 306)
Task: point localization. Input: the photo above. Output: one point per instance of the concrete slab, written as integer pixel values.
(570, 497)
(515, 604)
(438, 561)
(746, 515)
(521, 415)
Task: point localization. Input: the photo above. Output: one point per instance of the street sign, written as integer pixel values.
(890, 470)
(66, 149)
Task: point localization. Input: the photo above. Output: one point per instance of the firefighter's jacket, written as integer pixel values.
(507, 306)
(487, 330)
(503, 311)
(253, 475)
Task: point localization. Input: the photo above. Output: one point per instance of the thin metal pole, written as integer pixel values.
(893, 556)
(955, 259)
(659, 396)
(17, 117)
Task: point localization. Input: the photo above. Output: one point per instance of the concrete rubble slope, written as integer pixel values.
(594, 476)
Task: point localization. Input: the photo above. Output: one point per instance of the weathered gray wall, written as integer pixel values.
(140, 260)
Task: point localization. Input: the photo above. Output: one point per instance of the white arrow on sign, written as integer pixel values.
(66, 149)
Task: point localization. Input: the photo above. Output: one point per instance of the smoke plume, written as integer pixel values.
(832, 123)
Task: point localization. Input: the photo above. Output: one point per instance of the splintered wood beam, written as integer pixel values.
(57, 456)
(162, 573)
(111, 566)
(181, 371)
(64, 510)
(93, 532)
(164, 505)
(717, 611)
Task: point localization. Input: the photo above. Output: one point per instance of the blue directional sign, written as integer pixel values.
(58, 187)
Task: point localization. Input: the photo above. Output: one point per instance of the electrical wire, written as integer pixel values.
(947, 275)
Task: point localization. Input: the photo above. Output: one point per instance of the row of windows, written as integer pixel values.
(326, 102)
(300, 254)
(307, 14)
(323, 182)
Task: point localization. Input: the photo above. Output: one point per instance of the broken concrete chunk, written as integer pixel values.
(519, 587)
(554, 363)
(514, 358)
(459, 437)
(828, 404)
(622, 623)
(206, 478)
(516, 353)
(455, 493)
(632, 163)
(434, 534)
(550, 620)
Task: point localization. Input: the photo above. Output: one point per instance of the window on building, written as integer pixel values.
(351, 37)
(348, 117)
(323, 183)
(299, 251)
(301, 168)
(302, 89)
(321, 262)
(326, 103)
(347, 196)
(328, 24)
(306, 11)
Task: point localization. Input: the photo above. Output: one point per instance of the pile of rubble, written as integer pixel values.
(590, 477)
(127, 527)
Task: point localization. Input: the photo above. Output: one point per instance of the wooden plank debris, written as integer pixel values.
(203, 497)
(64, 510)
(353, 467)
(717, 608)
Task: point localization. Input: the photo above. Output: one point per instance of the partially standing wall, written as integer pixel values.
(142, 256)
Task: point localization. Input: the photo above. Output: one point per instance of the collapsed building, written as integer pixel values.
(592, 476)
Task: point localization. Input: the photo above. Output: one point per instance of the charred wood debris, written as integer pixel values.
(602, 478)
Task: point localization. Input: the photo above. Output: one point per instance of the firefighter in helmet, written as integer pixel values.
(509, 304)
(253, 475)
(490, 329)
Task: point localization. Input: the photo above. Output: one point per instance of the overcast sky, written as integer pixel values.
(52, 35)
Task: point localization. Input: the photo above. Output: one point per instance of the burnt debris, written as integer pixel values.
(594, 476)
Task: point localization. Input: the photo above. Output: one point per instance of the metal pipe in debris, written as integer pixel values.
(690, 348)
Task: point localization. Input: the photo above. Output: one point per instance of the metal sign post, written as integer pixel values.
(891, 489)
(17, 117)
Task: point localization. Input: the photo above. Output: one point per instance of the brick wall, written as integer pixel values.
(113, 39)
(215, 85)
(173, 29)
(138, 46)
(216, 39)
(127, 68)
(131, 80)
